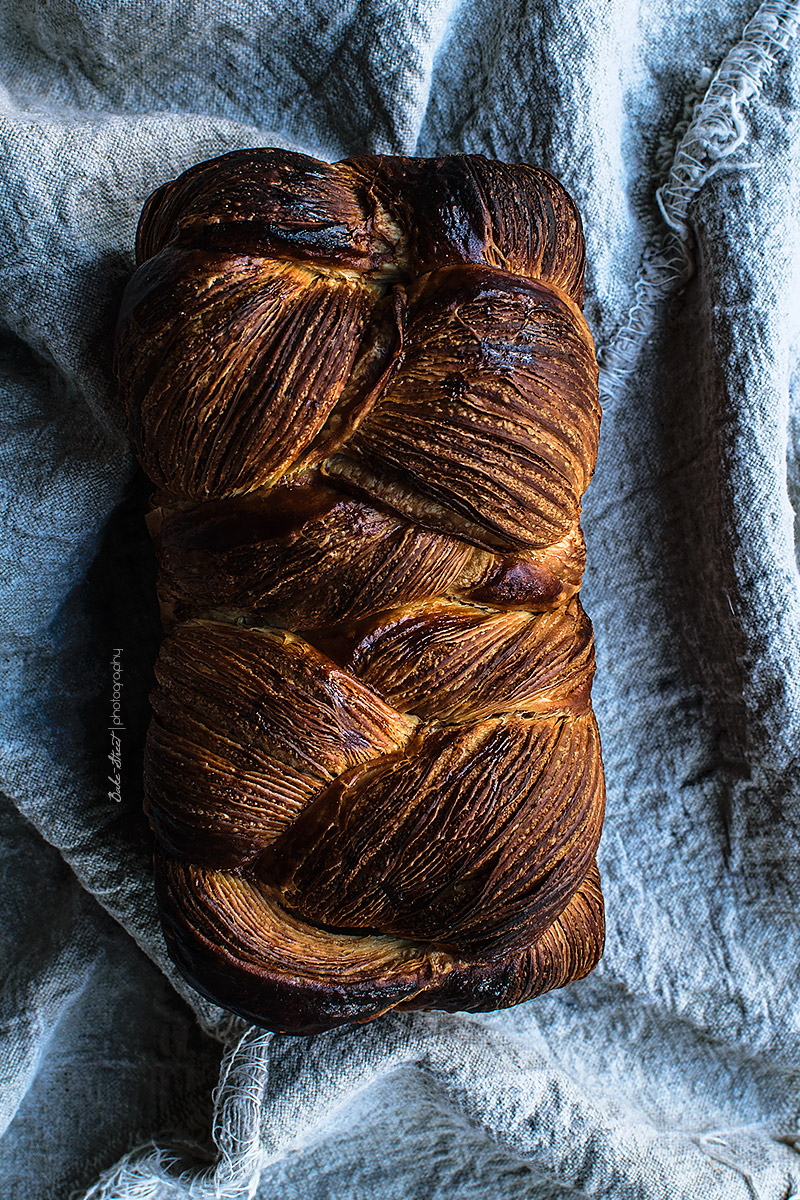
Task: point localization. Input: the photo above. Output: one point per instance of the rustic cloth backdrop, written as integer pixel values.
(673, 1070)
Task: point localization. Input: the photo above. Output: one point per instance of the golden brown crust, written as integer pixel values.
(238, 946)
(367, 397)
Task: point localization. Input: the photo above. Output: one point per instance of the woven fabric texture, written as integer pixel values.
(673, 1070)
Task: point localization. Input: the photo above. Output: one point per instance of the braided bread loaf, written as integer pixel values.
(367, 398)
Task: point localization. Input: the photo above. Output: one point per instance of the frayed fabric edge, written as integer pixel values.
(160, 1172)
(717, 129)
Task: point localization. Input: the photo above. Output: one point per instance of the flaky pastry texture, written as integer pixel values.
(367, 398)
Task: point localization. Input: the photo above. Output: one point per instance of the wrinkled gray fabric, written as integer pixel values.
(673, 1070)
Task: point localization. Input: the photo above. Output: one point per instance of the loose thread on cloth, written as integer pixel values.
(708, 1140)
(153, 1172)
(716, 130)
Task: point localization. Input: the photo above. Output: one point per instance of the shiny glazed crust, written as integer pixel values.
(367, 398)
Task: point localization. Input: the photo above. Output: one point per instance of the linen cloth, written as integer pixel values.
(673, 1070)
